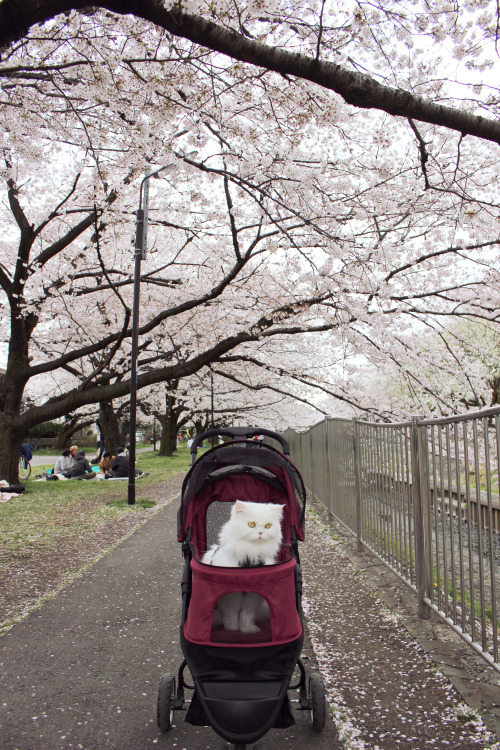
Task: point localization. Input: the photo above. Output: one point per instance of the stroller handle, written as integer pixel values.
(241, 433)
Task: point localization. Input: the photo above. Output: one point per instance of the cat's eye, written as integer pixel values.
(268, 525)
(251, 524)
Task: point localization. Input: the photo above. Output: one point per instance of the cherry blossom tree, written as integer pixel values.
(438, 370)
(298, 213)
(68, 289)
(329, 44)
(209, 399)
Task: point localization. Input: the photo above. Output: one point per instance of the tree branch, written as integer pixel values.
(357, 89)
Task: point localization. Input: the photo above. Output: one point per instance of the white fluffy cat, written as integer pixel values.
(251, 538)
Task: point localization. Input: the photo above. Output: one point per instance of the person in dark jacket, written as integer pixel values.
(26, 453)
(81, 469)
(120, 465)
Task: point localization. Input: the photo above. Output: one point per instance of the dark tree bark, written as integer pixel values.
(71, 426)
(168, 441)
(110, 426)
(170, 423)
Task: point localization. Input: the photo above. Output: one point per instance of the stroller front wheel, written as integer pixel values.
(166, 700)
(317, 702)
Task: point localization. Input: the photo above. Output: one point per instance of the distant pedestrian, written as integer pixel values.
(26, 453)
(100, 443)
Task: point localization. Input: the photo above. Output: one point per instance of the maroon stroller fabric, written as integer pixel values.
(275, 583)
(247, 471)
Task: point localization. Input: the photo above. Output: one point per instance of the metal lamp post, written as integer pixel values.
(141, 232)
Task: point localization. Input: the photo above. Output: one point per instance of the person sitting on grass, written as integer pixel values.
(120, 464)
(81, 468)
(105, 462)
(64, 464)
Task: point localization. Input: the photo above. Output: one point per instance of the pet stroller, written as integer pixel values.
(241, 680)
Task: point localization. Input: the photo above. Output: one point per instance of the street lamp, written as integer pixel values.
(141, 232)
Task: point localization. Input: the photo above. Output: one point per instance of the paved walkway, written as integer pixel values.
(395, 681)
(82, 671)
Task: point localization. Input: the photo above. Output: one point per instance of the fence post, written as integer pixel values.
(419, 491)
(311, 465)
(357, 479)
(329, 493)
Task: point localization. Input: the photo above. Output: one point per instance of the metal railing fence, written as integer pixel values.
(423, 496)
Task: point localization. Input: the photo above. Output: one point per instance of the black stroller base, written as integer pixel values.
(252, 707)
(241, 693)
(259, 705)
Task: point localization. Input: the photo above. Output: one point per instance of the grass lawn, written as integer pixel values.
(56, 530)
(49, 510)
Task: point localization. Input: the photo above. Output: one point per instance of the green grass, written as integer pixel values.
(49, 510)
(51, 522)
(466, 602)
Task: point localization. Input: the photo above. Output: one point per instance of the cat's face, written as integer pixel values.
(257, 522)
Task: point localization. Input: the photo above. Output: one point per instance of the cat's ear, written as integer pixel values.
(239, 506)
(278, 510)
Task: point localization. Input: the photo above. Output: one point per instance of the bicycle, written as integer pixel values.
(24, 468)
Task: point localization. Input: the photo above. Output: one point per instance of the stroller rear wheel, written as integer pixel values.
(166, 700)
(317, 702)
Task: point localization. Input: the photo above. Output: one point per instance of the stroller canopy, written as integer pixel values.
(245, 470)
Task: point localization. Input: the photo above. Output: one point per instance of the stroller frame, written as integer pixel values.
(240, 688)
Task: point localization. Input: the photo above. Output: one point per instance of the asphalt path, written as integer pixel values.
(82, 671)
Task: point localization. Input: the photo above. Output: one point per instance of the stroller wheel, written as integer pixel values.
(317, 702)
(165, 705)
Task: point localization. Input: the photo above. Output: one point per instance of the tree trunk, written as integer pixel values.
(165, 438)
(110, 426)
(71, 426)
(13, 428)
(125, 437)
(169, 426)
(67, 431)
(11, 439)
(168, 440)
(201, 424)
